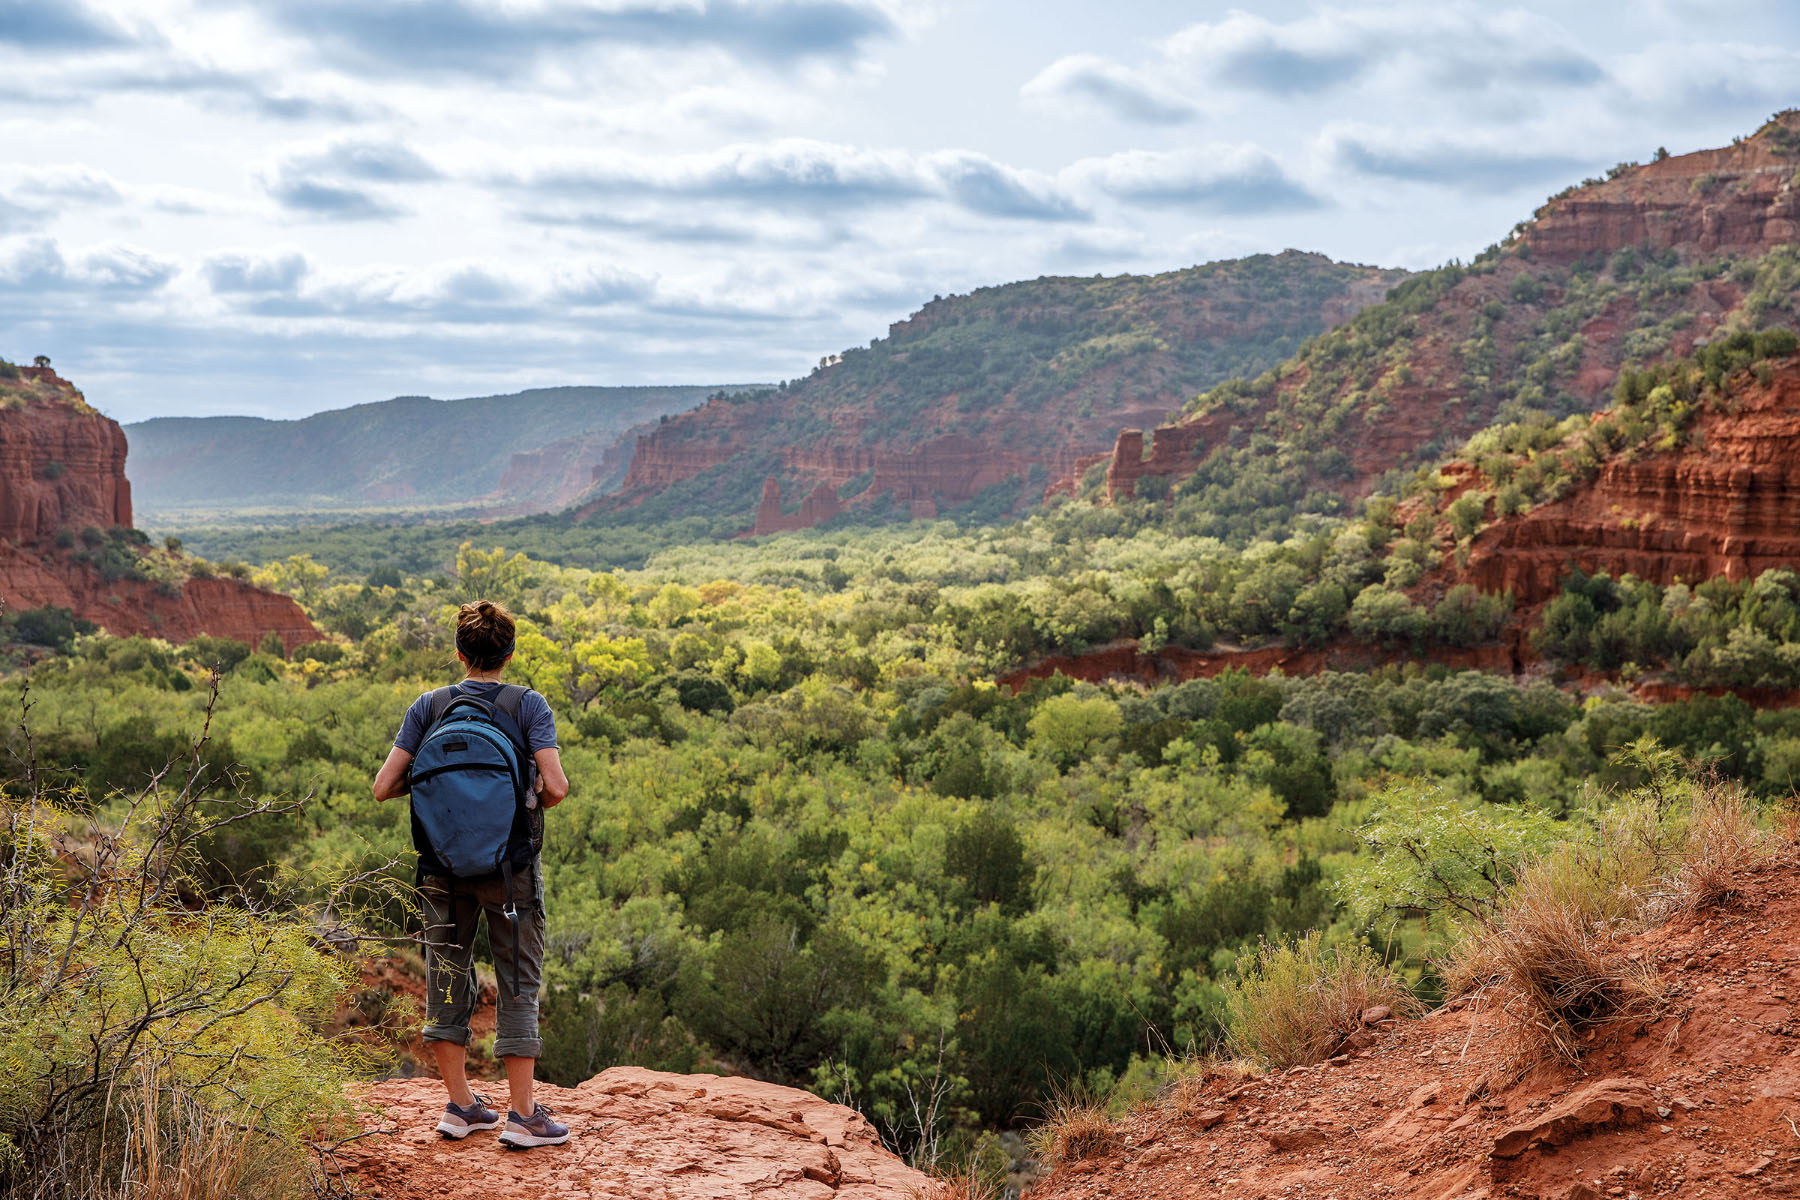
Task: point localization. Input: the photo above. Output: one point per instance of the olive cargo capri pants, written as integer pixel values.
(452, 909)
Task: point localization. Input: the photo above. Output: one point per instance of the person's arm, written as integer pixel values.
(553, 785)
(391, 780)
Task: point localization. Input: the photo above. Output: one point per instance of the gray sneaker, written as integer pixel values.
(522, 1133)
(459, 1122)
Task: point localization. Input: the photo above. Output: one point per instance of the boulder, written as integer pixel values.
(635, 1133)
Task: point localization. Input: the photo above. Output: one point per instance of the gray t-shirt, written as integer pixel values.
(534, 715)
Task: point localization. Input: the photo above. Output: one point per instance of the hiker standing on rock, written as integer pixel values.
(480, 761)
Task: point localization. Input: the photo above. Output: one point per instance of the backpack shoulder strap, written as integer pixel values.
(509, 698)
(439, 704)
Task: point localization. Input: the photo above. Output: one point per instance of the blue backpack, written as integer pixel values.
(472, 802)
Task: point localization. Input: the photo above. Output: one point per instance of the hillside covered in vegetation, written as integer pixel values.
(988, 398)
(1650, 262)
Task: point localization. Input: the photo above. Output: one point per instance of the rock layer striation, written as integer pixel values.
(1727, 504)
(1484, 334)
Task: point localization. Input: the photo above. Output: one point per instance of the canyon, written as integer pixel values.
(63, 485)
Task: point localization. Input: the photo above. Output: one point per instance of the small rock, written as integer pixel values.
(1376, 1014)
(1757, 1168)
(1425, 1094)
(1209, 1118)
(1295, 1137)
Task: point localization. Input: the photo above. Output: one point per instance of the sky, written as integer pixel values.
(283, 206)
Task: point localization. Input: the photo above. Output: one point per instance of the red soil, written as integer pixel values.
(1700, 1102)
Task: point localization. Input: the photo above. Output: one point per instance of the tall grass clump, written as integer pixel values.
(160, 1035)
(1295, 1002)
(1077, 1124)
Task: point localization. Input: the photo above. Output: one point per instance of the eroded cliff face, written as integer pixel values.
(1725, 504)
(1445, 367)
(62, 465)
(1735, 198)
(62, 468)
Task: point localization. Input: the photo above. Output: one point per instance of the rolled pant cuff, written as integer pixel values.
(446, 1033)
(518, 1047)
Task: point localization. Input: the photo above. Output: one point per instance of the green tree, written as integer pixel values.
(1069, 730)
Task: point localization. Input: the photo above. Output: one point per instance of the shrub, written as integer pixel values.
(145, 1014)
(1295, 1002)
(1466, 616)
(324, 652)
(49, 626)
(1384, 614)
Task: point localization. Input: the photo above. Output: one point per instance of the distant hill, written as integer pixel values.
(532, 451)
(982, 401)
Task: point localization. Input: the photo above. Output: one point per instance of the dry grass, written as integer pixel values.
(1553, 968)
(1076, 1126)
(1552, 957)
(1723, 837)
(965, 1184)
(176, 1150)
(1295, 1003)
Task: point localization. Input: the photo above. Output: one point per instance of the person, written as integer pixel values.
(452, 907)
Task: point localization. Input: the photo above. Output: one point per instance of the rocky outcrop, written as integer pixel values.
(1739, 198)
(62, 471)
(1175, 450)
(636, 1134)
(1723, 505)
(666, 453)
(820, 505)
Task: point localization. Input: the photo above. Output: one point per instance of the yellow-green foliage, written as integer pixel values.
(1293, 1002)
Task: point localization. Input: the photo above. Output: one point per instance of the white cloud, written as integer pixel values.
(37, 265)
(1469, 160)
(800, 173)
(1233, 179)
(1089, 81)
(1454, 47)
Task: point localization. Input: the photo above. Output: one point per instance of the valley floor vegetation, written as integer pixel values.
(810, 840)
